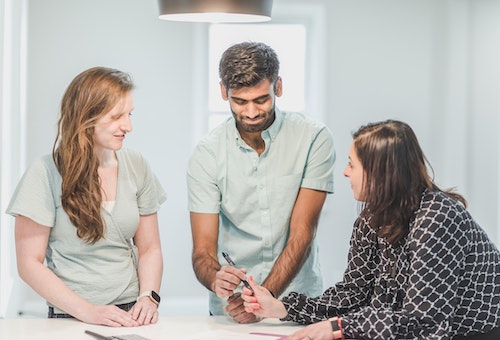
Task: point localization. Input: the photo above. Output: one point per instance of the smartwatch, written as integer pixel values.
(153, 296)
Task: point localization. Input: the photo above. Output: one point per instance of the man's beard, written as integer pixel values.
(252, 128)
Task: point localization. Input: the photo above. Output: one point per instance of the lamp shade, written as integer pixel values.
(216, 11)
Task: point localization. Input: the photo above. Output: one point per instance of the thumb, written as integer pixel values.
(252, 283)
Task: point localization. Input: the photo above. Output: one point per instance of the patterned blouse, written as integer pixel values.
(443, 281)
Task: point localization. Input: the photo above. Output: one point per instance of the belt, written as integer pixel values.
(125, 306)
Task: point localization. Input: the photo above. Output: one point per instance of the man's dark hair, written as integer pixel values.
(247, 64)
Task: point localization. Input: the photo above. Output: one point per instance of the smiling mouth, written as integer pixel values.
(253, 121)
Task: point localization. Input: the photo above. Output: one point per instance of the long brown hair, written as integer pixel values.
(395, 176)
(89, 96)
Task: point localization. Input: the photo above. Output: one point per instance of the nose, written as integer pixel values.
(346, 171)
(126, 124)
(252, 110)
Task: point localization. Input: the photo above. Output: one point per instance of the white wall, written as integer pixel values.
(66, 37)
(484, 113)
(432, 63)
(416, 61)
(12, 99)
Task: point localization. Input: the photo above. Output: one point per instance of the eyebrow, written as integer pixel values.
(254, 99)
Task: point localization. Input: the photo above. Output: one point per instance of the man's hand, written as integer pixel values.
(236, 310)
(227, 279)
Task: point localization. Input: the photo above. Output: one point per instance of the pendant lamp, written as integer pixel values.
(216, 11)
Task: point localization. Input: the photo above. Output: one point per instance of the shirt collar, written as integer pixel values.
(276, 125)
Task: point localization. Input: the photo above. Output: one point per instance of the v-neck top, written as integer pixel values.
(105, 272)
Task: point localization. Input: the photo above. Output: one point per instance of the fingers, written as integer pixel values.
(125, 320)
(147, 317)
(246, 292)
(252, 306)
(236, 310)
(318, 331)
(227, 279)
(145, 312)
(245, 318)
(112, 316)
(252, 283)
(251, 302)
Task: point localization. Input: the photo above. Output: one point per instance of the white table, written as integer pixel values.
(171, 328)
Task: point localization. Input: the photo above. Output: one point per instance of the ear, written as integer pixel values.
(223, 91)
(278, 87)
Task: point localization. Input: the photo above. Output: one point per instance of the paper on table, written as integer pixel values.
(228, 335)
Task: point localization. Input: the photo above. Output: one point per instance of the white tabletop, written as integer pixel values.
(171, 328)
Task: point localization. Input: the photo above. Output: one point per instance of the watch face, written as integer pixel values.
(155, 296)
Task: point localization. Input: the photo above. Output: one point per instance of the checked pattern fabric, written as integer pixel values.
(442, 281)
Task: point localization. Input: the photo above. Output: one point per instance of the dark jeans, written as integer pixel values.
(52, 315)
(491, 335)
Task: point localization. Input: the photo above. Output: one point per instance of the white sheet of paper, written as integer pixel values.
(229, 335)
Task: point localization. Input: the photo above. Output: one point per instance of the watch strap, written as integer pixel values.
(153, 296)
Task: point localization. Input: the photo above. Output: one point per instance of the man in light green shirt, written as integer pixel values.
(257, 184)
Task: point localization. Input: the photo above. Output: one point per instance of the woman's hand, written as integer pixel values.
(261, 303)
(109, 315)
(317, 331)
(145, 311)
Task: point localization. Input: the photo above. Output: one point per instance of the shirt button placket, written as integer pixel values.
(265, 218)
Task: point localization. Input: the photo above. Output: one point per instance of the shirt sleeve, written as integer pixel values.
(352, 293)
(318, 173)
(33, 196)
(204, 195)
(150, 194)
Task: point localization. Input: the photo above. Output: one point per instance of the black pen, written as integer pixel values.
(231, 263)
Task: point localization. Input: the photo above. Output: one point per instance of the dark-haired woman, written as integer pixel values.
(419, 266)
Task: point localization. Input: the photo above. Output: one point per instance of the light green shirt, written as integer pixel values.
(105, 272)
(254, 196)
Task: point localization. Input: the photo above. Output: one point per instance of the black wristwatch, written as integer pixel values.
(153, 296)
